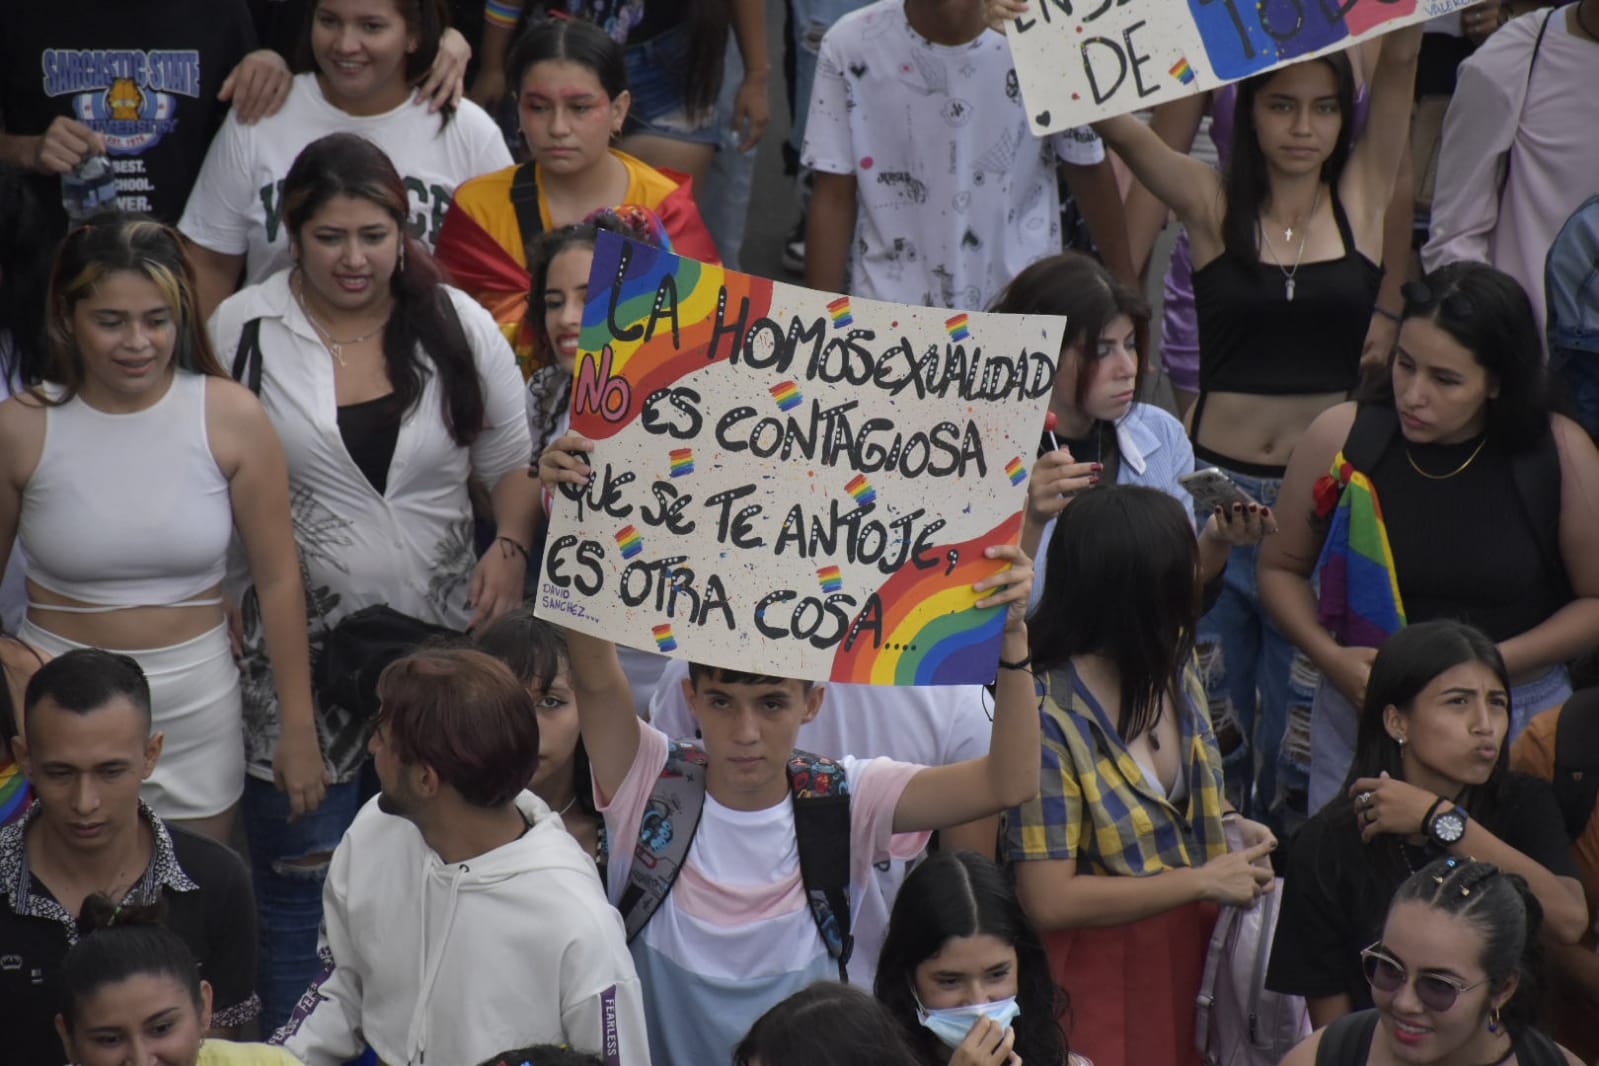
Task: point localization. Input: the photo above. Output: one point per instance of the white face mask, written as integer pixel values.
(952, 1024)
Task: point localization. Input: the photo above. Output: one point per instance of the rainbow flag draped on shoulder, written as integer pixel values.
(1360, 602)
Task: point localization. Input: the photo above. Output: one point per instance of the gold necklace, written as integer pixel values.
(1445, 477)
(335, 347)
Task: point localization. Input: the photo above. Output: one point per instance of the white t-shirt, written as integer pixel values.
(735, 935)
(236, 207)
(955, 195)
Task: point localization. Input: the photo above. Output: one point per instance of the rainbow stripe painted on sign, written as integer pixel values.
(1016, 471)
(664, 640)
(831, 579)
(957, 328)
(682, 461)
(1182, 71)
(629, 541)
(840, 310)
(861, 489)
(933, 630)
(787, 395)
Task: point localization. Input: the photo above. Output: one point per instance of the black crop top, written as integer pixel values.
(1464, 546)
(1253, 339)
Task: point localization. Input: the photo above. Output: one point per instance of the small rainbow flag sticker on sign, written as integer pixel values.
(629, 541)
(840, 311)
(682, 461)
(787, 395)
(861, 489)
(1016, 471)
(663, 637)
(832, 580)
(957, 328)
(1182, 71)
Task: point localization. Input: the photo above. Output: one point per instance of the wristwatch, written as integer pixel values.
(1447, 827)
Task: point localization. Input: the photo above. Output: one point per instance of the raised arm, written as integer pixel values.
(608, 723)
(1368, 182)
(1176, 179)
(1175, 122)
(940, 796)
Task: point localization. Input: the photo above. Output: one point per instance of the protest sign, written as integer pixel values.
(1081, 61)
(791, 482)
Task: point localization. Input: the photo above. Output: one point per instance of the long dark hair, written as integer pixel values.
(426, 19)
(25, 245)
(1407, 663)
(1247, 182)
(111, 243)
(1079, 287)
(824, 1024)
(1487, 312)
(536, 652)
(119, 941)
(1122, 580)
(961, 894)
(344, 164)
(1503, 909)
(707, 25)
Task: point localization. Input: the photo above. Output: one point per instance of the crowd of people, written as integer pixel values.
(1296, 690)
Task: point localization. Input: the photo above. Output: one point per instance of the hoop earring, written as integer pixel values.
(1494, 1025)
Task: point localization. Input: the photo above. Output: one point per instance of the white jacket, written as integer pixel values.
(452, 964)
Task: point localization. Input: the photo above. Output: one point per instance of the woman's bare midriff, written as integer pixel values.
(129, 629)
(1259, 429)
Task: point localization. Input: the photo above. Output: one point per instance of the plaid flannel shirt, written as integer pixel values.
(1094, 803)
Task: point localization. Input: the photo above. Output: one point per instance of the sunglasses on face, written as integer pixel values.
(1387, 974)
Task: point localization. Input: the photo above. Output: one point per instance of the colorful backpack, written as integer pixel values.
(820, 795)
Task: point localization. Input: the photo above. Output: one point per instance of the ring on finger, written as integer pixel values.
(1365, 798)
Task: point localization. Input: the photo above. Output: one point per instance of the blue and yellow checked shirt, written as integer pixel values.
(1094, 803)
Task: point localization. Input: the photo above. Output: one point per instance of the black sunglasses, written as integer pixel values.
(1387, 974)
(1420, 298)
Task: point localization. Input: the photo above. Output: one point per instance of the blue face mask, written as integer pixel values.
(952, 1024)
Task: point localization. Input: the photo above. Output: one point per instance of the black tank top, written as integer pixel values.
(1464, 546)
(1253, 339)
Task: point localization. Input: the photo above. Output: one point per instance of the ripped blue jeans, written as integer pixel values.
(288, 897)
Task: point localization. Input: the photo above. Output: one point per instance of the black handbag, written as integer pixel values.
(358, 649)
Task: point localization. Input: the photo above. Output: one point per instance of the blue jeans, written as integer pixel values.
(809, 20)
(288, 897)
(1253, 673)
(725, 200)
(655, 82)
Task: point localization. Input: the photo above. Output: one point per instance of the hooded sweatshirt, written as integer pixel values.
(452, 963)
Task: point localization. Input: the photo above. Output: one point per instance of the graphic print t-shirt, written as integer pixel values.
(143, 73)
(956, 195)
(237, 206)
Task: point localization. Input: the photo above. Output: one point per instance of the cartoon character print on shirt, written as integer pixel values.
(130, 97)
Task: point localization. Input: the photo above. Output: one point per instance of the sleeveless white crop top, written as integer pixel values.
(128, 510)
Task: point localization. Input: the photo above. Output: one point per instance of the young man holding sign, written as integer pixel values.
(735, 932)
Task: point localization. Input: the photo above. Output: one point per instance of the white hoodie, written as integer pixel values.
(451, 964)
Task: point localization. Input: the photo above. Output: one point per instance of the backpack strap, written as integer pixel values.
(671, 819)
(1576, 781)
(1526, 90)
(525, 201)
(820, 794)
(1205, 1001)
(247, 357)
(1536, 473)
(1347, 1041)
(1373, 430)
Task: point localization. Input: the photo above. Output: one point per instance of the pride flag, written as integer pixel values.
(1182, 71)
(1360, 602)
(628, 539)
(830, 578)
(840, 310)
(956, 325)
(861, 489)
(664, 640)
(1016, 471)
(682, 461)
